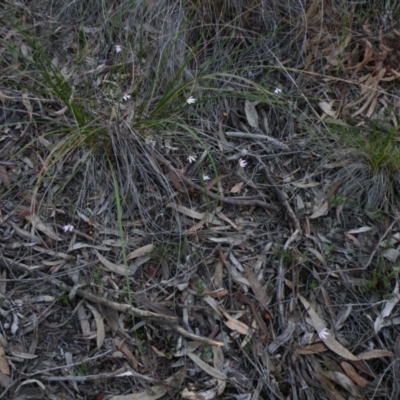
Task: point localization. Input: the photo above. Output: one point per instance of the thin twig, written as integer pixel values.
(127, 308)
(120, 373)
(280, 281)
(257, 136)
(282, 198)
(379, 243)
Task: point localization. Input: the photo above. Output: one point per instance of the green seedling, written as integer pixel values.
(337, 200)
(81, 369)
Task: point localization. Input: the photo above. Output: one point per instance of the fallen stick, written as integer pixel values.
(168, 319)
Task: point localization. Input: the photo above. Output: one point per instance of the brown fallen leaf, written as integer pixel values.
(342, 380)
(312, 349)
(176, 182)
(25, 211)
(369, 355)
(237, 188)
(128, 354)
(352, 374)
(4, 367)
(233, 323)
(4, 177)
(258, 289)
(141, 251)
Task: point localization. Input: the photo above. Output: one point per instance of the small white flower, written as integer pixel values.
(323, 334)
(126, 97)
(68, 228)
(191, 159)
(242, 162)
(118, 48)
(191, 100)
(278, 91)
(206, 178)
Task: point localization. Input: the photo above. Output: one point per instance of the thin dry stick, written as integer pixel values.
(120, 373)
(228, 200)
(280, 281)
(168, 319)
(379, 244)
(257, 136)
(282, 198)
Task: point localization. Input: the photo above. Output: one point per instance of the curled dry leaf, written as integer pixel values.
(237, 188)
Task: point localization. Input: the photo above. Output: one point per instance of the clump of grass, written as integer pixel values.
(367, 162)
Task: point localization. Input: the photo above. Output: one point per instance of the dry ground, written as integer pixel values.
(244, 246)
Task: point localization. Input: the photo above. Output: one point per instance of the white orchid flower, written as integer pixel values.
(68, 228)
(242, 162)
(323, 334)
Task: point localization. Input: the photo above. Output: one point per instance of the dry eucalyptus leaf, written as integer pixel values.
(327, 108)
(43, 227)
(369, 355)
(140, 252)
(237, 188)
(4, 367)
(128, 354)
(251, 113)
(342, 380)
(387, 309)
(152, 393)
(353, 375)
(329, 340)
(27, 104)
(233, 323)
(207, 368)
(4, 177)
(83, 319)
(117, 269)
(323, 210)
(99, 325)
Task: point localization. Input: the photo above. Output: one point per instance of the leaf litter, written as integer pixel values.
(200, 315)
